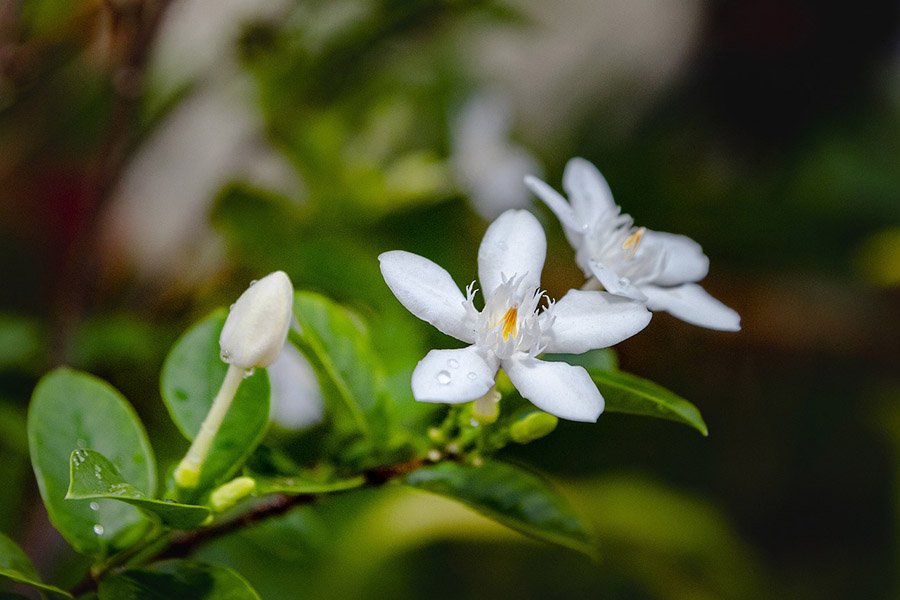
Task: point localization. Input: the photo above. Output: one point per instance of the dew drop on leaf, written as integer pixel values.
(94, 506)
(98, 529)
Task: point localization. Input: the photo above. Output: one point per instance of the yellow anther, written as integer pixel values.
(632, 241)
(509, 322)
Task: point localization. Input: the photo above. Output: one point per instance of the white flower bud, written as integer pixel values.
(257, 326)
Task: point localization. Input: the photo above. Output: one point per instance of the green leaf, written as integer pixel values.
(604, 359)
(626, 393)
(300, 485)
(177, 579)
(71, 410)
(337, 344)
(508, 494)
(93, 476)
(190, 379)
(15, 566)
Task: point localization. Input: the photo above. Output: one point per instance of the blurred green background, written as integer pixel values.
(156, 156)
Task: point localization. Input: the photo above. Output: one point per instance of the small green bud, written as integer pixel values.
(532, 426)
(486, 409)
(228, 494)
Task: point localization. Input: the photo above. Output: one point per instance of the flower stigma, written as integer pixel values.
(509, 322)
(630, 245)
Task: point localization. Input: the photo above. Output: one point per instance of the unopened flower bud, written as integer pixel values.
(257, 326)
(532, 426)
(227, 495)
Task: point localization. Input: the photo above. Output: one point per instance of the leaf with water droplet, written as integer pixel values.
(93, 476)
(70, 411)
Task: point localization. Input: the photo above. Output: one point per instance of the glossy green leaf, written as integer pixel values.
(177, 579)
(508, 494)
(300, 485)
(190, 379)
(626, 393)
(71, 410)
(337, 344)
(93, 476)
(15, 566)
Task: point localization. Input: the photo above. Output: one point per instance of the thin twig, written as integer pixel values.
(183, 544)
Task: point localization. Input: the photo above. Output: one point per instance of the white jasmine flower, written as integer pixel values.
(656, 268)
(517, 323)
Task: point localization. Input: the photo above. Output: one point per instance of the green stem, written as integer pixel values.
(187, 474)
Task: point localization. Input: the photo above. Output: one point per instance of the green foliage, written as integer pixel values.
(510, 495)
(626, 393)
(177, 579)
(15, 566)
(191, 377)
(21, 342)
(337, 344)
(93, 476)
(72, 410)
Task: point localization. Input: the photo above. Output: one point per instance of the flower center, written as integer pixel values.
(511, 320)
(509, 323)
(631, 243)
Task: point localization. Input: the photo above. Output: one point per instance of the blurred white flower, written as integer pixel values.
(158, 216)
(487, 166)
(657, 268)
(297, 401)
(512, 329)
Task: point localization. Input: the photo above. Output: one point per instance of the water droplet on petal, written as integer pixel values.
(254, 281)
(94, 506)
(471, 375)
(98, 529)
(443, 377)
(453, 363)
(623, 281)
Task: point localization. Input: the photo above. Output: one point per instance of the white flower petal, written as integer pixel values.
(427, 291)
(585, 321)
(587, 190)
(558, 388)
(513, 246)
(691, 303)
(556, 203)
(453, 376)
(614, 284)
(685, 261)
